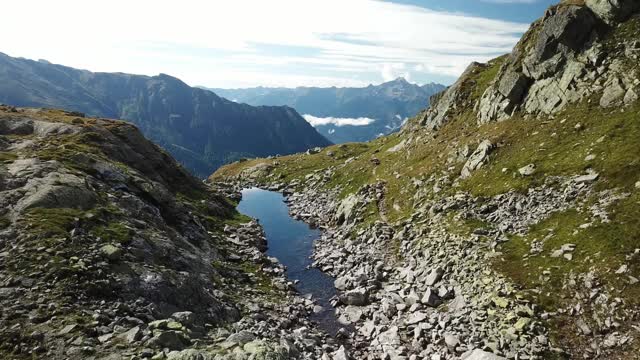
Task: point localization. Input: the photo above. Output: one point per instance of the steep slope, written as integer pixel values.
(388, 104)
(504, 218)
(202, 130)
(110, 249)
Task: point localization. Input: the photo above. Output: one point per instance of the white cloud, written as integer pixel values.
(318, 121)
(213, 43)
(393, 71)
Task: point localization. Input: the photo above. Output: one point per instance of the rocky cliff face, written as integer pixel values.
(501, 222)
(565, 57)
(200, 129)
(110, 249)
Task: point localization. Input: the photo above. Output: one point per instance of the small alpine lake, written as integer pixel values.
(291, 242)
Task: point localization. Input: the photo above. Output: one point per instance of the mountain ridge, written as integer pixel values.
(166, 109)
(387, 105)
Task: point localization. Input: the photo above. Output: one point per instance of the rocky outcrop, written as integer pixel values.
(613, 11)
(561, 61)
(444, 104)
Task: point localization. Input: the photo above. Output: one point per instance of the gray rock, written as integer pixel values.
(354, 297)
(434, 276)
(346, 209)
(240, 338)
(478, 354)
(68, 329)
(341, 354)
(584, 328)
(186, 318)
(105, 338)
(613, 11)
(133, 335)
(451, 340)
(341, 283)
(431, 298)
(16, 127)
(442, 103)
(477, 159)
(630, 97)
(527, 170)
(613, 94)
(416, 317)
(622, 269)
(389, 337)
(189, 354)
(111, 252)
(167, 339)
(56, 190)
(513, 85)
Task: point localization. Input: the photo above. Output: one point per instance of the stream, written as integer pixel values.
(291, 242)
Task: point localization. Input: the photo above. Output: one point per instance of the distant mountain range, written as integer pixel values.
(199, 128)
(346, 114)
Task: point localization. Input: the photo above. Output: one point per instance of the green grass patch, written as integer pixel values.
(4, 222)
(51, 222)
(556, 147)
(113, 232)
(7, 156)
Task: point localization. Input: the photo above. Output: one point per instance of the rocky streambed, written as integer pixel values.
(436, 300)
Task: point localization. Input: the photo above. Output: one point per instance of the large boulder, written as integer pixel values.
(346, 209)
(261, 350)
(477, 159)
(513, 86)
(56, 190)
(613, 11)
(356, 297)
(16, 127)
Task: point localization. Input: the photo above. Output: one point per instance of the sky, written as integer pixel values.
(284, 43)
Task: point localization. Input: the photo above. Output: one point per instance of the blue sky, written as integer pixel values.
(246, 43)
(512, 10)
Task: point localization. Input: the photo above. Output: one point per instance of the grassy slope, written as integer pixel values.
(556, 145)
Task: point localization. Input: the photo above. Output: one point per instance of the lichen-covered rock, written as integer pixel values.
(443, 104)
(189, 354)
(346, 209)
(477, 159)
(613, 11)
(560, 61)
